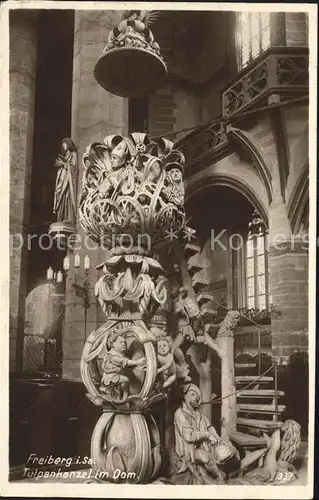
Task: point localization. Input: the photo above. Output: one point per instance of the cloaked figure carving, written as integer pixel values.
(64, 206)
(173, 189)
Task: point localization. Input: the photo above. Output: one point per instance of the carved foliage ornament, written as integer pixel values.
(131, 186)
(132, 281)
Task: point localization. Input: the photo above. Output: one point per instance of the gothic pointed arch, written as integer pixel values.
(228, 180)
(247, 144)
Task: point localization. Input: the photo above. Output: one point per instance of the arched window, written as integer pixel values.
(253, 35)
(257, 269)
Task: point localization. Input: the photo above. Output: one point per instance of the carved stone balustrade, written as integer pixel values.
(250, 316)
(279, 70)
(202, 141)
(280, 73)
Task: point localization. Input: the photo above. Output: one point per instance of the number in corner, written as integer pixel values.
(284, 475)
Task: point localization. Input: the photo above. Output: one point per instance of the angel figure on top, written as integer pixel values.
(134, 26)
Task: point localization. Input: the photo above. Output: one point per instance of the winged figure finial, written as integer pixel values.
(148, 17)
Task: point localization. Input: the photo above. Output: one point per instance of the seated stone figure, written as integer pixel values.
(113, 379)
(197, 442)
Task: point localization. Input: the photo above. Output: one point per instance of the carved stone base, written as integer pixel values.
(125, 448)
(61, 231)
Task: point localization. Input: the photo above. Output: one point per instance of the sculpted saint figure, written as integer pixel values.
(116, 176)
(64, 206)
(174, 190)
(196, 440)
(153, 170)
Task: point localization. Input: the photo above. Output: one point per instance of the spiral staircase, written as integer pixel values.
(259, 402)
(191, 254)
(259, 407)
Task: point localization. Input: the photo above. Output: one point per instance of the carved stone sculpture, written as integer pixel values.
(200, 450)
(128, 365)
(132, 204)
(134, 31)
(277, 465)
(166, 372)
(123, 200)
(186, 312)
(178, 368)
(174, 187)
(113, 367)
(125, 366)
(65, 194)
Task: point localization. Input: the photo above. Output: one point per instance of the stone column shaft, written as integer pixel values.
(289, 292)
(22, 74)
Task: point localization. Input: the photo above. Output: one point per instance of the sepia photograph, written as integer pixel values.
(160, 179)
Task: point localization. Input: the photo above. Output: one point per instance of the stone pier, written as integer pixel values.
(22, 73)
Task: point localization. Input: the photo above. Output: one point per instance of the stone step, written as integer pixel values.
(198, 284)
(193, 267)
(247, 440)
(252, 408)
(208, 314)
(190, 250)
(246, 379)
(245, 365)
(260, 393)
(264, 425)
(204, 298)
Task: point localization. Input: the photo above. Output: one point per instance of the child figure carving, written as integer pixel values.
(166, 363)
(114, 382)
